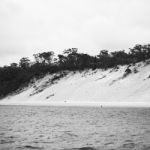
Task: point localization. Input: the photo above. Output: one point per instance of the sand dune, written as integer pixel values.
(112, 87)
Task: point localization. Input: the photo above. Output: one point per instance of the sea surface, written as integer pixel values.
(74, 128)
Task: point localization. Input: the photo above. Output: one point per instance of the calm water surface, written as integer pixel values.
(74, 128)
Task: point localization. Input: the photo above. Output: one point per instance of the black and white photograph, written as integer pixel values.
(74, 74)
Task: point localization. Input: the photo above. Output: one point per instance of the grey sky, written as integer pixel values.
(32, 26)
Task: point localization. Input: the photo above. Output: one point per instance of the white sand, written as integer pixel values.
(90, 88)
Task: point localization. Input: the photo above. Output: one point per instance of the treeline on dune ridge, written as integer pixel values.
(18, 75)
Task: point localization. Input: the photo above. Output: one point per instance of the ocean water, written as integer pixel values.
(74, 128)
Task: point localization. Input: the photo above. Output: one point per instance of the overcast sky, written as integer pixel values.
(32, 26)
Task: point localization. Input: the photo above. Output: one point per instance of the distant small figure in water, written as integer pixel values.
(101, 106)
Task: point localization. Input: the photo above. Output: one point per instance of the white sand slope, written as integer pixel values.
(98, 87)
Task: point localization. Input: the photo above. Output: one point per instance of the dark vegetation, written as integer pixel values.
(18, 75)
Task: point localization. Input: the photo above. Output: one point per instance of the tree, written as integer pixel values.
(138, 52)
(24, 62)
(119, 58)
(104, 59)
(69, 58)
(14, 65)
(85, 61)
(62, 60)
(45, 57)
(70, 51)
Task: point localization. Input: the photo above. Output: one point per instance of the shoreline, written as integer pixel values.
(78, 104)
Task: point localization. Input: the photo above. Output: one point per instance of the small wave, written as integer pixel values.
(82, 148)
(71, 134)
(30, 147)
(145, 147)
(2, 134)
(112, 135)
(6, 141)
(87, 148)
(109, 143)
(128, 141)
(128, 145)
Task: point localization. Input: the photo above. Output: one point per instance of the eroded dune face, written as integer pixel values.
(74, 128)
(123, 85)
